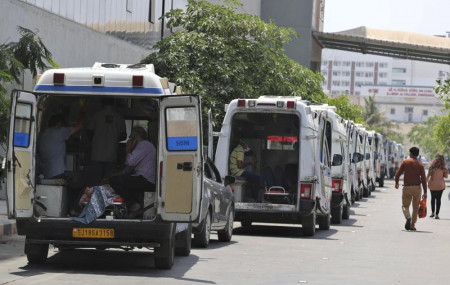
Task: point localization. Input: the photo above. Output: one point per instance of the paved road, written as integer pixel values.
(371, 247)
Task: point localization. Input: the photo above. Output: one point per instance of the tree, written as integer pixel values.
(423, 136)
(29, 53)
(347, 110)
(442, 128)
(222, 55)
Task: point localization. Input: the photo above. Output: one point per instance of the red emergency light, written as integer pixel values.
(138, 81)
(59, 78)
(241, 103)
(290, 104)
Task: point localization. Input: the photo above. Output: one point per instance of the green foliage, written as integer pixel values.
(372, 116)
(29, 53)
(347, 110)
(222, 55)
(443, 89)
(423, 136)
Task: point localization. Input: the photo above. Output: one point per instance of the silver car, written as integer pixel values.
(217, 211)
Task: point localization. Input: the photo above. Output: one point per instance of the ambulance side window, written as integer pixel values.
(22, 125)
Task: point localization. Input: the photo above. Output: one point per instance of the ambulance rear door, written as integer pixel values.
(180, 162)
(19, 163)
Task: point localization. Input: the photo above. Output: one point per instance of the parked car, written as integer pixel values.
(217, 210)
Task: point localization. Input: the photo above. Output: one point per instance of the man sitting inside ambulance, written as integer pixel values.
(237, 168)
(139, 173)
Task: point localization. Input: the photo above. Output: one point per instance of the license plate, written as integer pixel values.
(92, 233)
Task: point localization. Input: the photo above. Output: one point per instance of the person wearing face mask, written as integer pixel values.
(237, 168)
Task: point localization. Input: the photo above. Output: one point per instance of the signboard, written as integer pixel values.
(398, 91)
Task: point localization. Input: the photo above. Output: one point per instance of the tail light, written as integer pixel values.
(336, 185)
(231, 188)
(241, 103)
(305, 190)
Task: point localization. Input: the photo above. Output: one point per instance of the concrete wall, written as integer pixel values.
(71, 44)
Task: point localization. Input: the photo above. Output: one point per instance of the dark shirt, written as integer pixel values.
(414, 173)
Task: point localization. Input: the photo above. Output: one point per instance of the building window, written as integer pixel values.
(336, 73)
(360, 64)
(383, 65)
(369, 64)
(337, 63)
(346, 73)
(392, 111)
(382, 74)
(324, 73)
(345, 83)
(369, 74)
(398, 70)
(409, 109)
(336, 83)
(359, 74)
(383, 83)
(398, 82)
(346, 63)
(425, 112)
(325, 62)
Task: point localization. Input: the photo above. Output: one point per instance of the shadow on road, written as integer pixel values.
(294, 231)
(348, 223)
(215, 244)
(112, 263)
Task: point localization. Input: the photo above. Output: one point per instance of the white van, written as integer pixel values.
(293, 165)
(173, 122)
(380, 161)
(364, 166)
(372, 169)
(340, 202)
(355, 147)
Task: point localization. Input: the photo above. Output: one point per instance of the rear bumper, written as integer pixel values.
(126, 233)
(274, 213)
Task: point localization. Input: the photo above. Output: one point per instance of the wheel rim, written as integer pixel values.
(208, 227)
(230, 222)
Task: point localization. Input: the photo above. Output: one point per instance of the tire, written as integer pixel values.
(36, 253)
(366, 192)
(202, 238)
(309, 225)
(246, 224)
(226, 234)
(325, 222)
(336, 214)
(165, 254)
(346, 212)
(381, 182)
(183, 242)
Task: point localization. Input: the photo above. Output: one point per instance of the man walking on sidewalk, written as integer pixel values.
(414, 176)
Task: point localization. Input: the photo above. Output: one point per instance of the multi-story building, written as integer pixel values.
(360, 75)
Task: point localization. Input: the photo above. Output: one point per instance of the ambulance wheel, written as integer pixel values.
(309, 224)
(36, 253)
(165, 254)
(183, 242)
(381, 181)
(325, 222)
(366, 192)
(202, 238)
(346, 212)
(226, 234)
(336, 214)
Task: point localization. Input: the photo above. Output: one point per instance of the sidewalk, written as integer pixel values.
(7, 227)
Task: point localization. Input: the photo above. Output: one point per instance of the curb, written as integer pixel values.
(7, 228)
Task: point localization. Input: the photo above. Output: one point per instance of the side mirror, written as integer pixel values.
(229, 180)
(357, 157)
(337, 160)
(367, 156)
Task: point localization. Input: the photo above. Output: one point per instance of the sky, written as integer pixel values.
(430, 17)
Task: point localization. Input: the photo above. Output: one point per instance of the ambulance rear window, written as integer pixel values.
(182, 128)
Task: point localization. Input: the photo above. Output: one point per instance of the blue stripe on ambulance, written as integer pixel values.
(93, 89)
(182, 143)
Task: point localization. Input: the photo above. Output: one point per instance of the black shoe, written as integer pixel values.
(412, 229)
(408, 224)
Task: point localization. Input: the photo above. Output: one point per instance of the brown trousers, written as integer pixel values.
(411, 193)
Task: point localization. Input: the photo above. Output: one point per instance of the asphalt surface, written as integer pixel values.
(372, 247)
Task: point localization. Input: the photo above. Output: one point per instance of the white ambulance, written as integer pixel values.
(173, 122)
(337, 139)
(355, 158)
(363, 166)
(293, 165)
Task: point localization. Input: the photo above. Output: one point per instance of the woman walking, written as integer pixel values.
(436, 183)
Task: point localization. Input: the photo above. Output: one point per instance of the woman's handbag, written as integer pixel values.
(423, 208)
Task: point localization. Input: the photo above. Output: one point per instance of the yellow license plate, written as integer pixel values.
(92, 233)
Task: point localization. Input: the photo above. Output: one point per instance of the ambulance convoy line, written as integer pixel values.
(314, 163)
